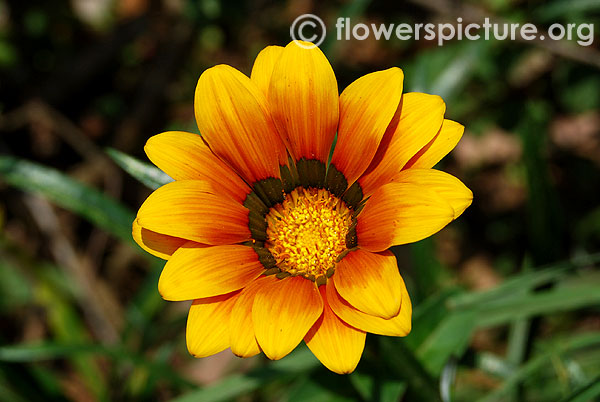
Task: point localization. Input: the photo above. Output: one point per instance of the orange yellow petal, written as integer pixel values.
(399, 325)
(444, 142)
(447, 186)
(197, 271)
(420, 119)
(234, 119)
(207, 329)
(242, 339)
(159, 245)
(336, 344)
(188, 209)
(282, 314)
(303, 99)
(366, 109)
(400, 213)
(370, 282)
(185, 156)
(263, 67)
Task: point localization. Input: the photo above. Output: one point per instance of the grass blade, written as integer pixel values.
(521, 283)
(450, 338)
(298, 362)
(588, 392)
(559, 348)
(70, 194)
(548, 302)
(149, 175)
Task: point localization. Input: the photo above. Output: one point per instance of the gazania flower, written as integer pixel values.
(275, 242)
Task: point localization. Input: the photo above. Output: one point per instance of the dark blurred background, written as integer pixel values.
(506, 298)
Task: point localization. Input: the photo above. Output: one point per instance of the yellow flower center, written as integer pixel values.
(306, 233)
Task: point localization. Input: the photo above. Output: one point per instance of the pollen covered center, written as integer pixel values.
(306, 233)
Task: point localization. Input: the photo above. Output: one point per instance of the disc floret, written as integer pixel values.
(306, 233)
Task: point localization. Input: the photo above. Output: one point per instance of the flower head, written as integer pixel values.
(273, 241)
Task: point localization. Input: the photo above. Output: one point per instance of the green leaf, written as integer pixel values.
(29, 353)
(146, 173)
(544, 220)
(364, 384)
(515, 284)
(445, 71)
(298, 362)
(429, 273)
(311, 390)
(392, 391)
(427, 315)
(558, 348)
(70, 194)
(301, 359)
(547, 302)
(589, 392)
(45, 351)
(229, 388)
(372, 387)
(402, 361)
(518, 336)
(521, 283)
(450, 338)
(145, 304)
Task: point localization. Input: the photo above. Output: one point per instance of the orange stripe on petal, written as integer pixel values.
(400, 213)
(282, 314)
(444, 142)
(263, 67)
(159, 245)
(242, 339)
(366, 109)
(207, 329)
(447, 186)
(233, 117)
(188, 209)
(185, 156)
(420, 119)
(303, 98)
(370, 282)
(399, 325)
(196, 271)
(336, 344)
